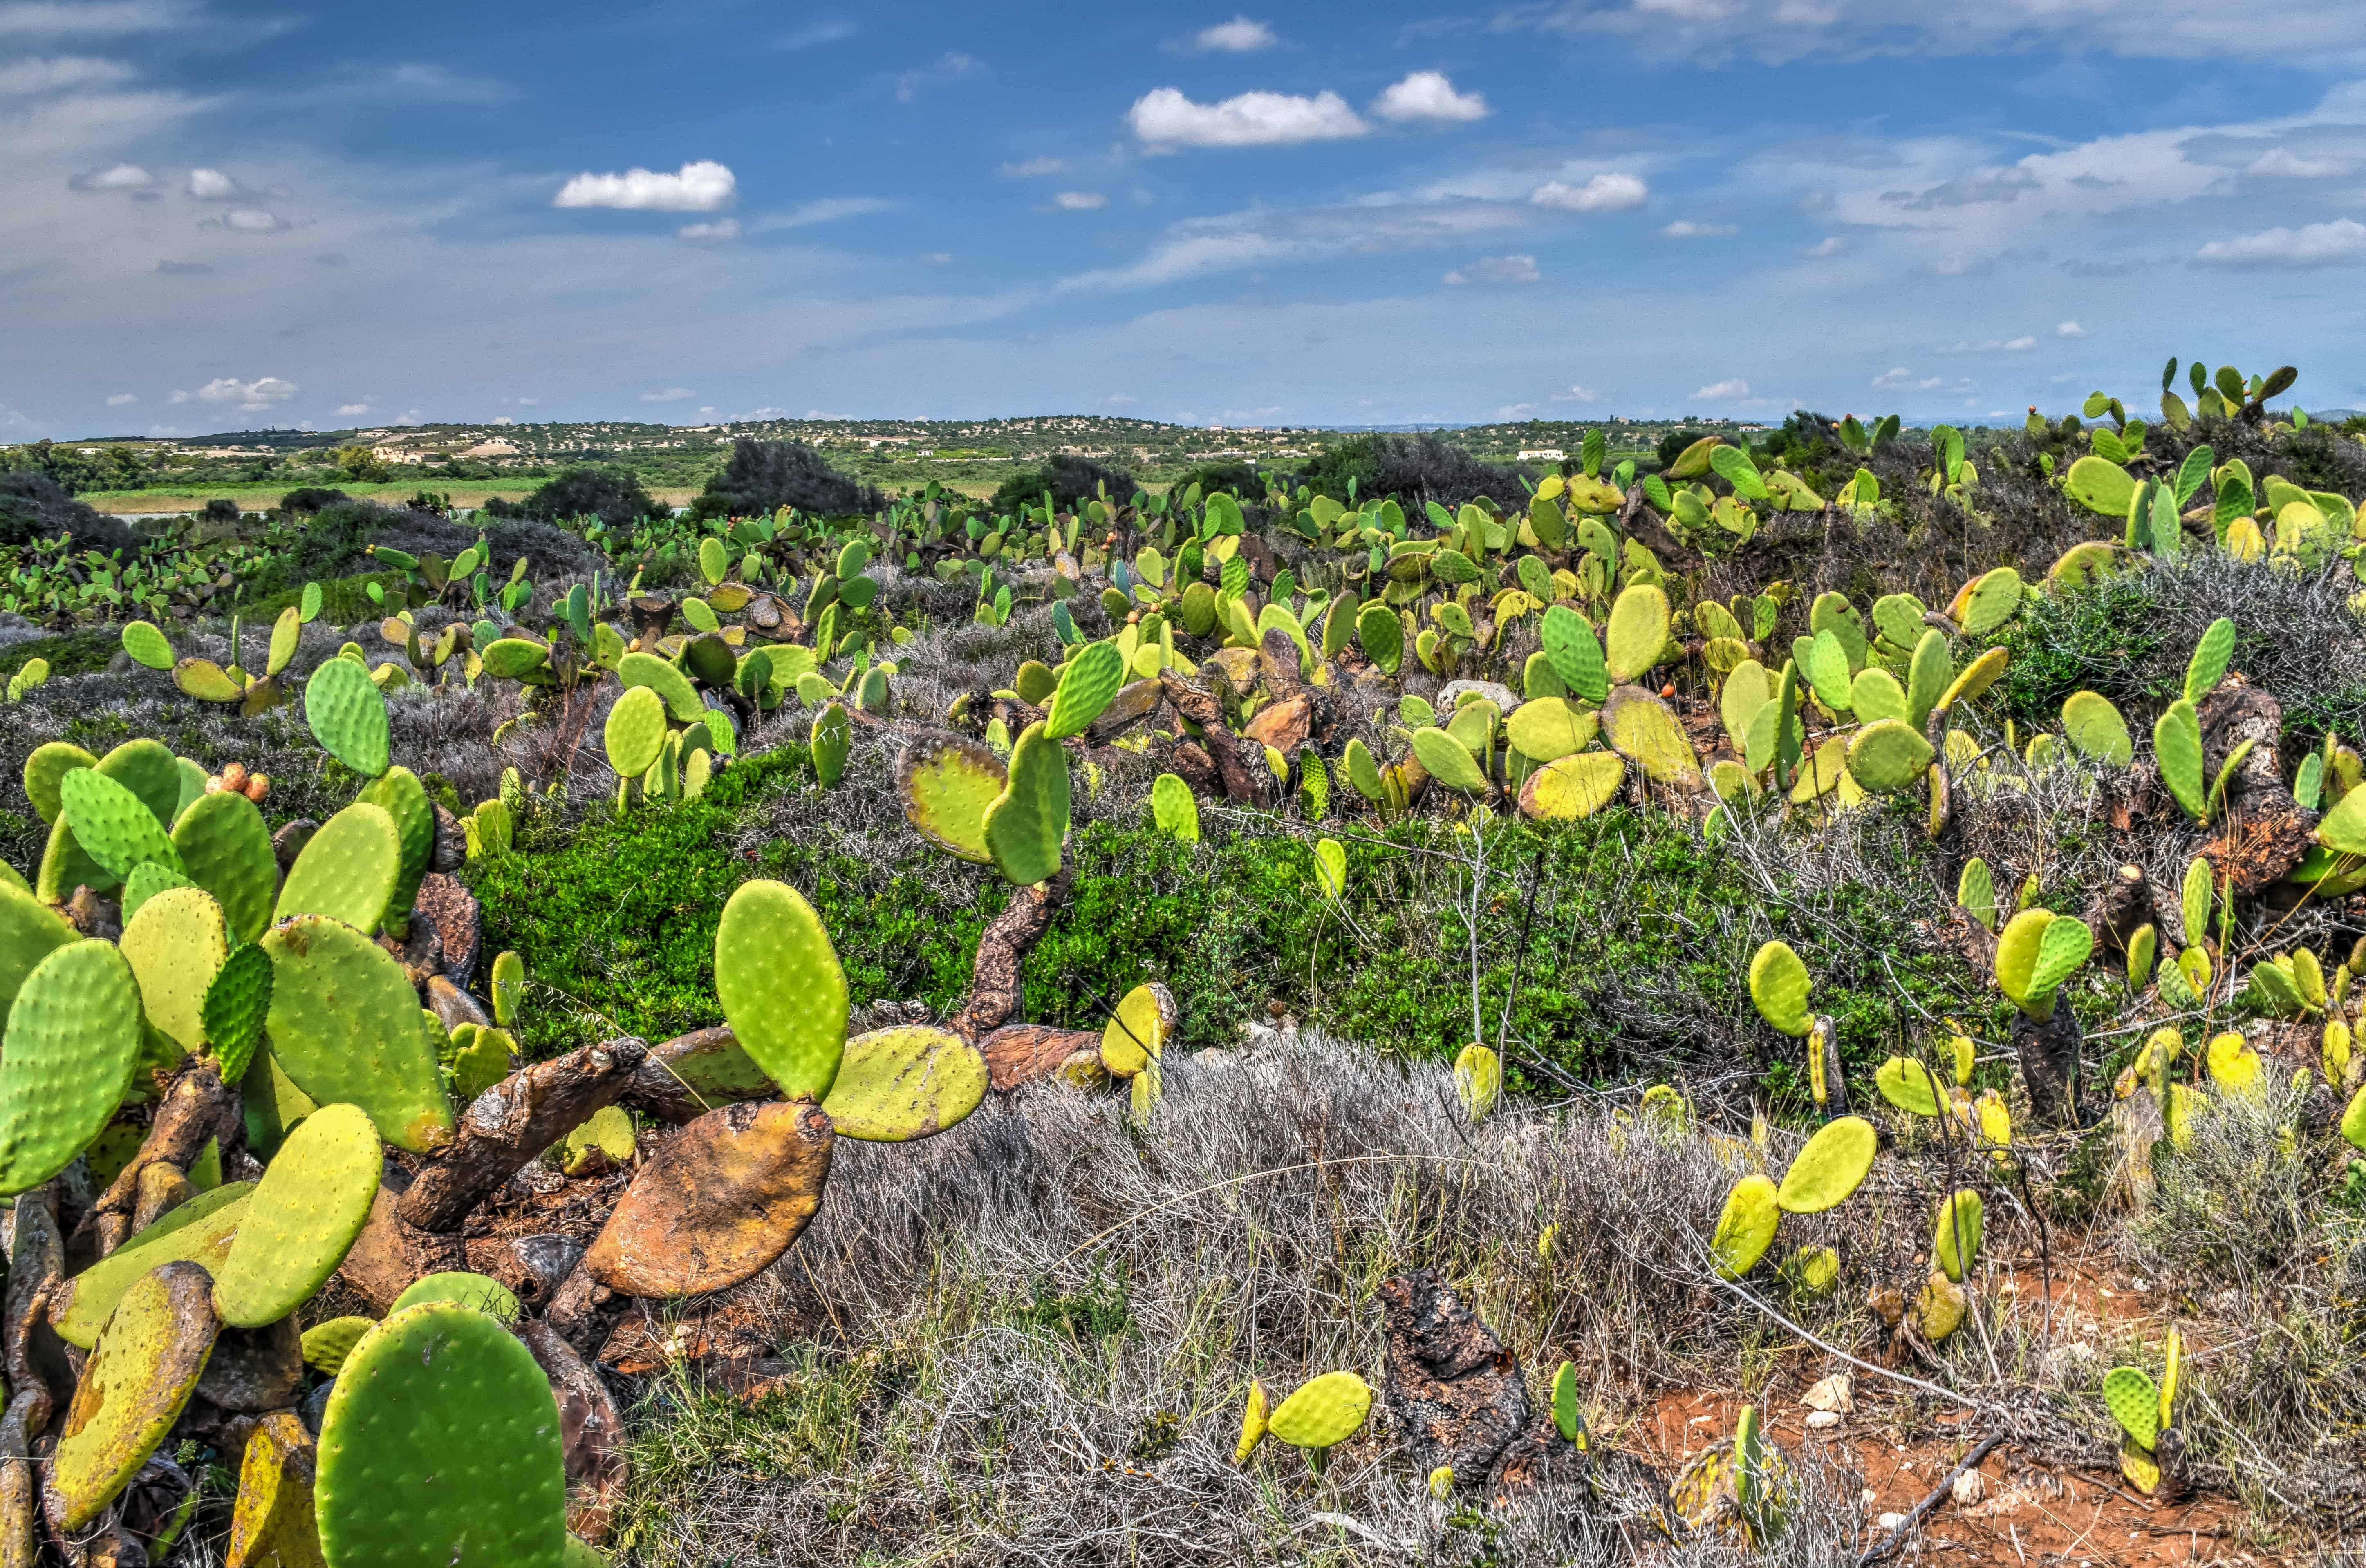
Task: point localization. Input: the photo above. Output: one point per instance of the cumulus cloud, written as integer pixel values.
(1239, 36)
(1165, 118)
(129, 179)
(1034, 167)
(1429, 96)
(2339, 243)
(1496, 269)
(247, 397)
(668, 395)
(211, 184)
(2069, 330)
(1603, 192)
(1685, 229)
(353, 410)
(718, 232)
(702, 187)
(1079, 201)
(119, 399)
(23, 78)
(1721, 390)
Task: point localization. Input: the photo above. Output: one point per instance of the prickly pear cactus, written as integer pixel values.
(1088, 683)
(1637, 633)
(29, 932)
(1255, 1421)
(272, 1523)
(399, 793)
(1778, 985)
(1746, 1229)
(326, 1345)
(237, 1004)
(176, 946)
(636, 731)
(1907, 1083)
(1572, 787)
(946, 782)
(725, 1198)
(312, 1202)
(1830, 1167)
(1642, 728)
(225, 848)
(1324, 1411)
(1026, 825)
(1957, 1239)
(896, 1085)
(479, 1292)
(1575, 656)
(72, 1039)
(1888, 756)
(347, 713)
(45, 768)
(200, 1230)
(147, 1364)
(113, 826)
(1136, 1032)
(347, 871)
(640, 670)
(1478, 1080)
(1174, 810)
(345, 1027)
(782, 990)
(440, 1445)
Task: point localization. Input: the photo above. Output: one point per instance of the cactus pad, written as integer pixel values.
(272, 1523)
(200, 1230)
(1478, 1080)
(347, 871)
(647, 671)
(722, 1200)
(1778, 985)
(509, 988)
(607, 1135)
(2353, 1119)
(1568, 1413)
(946, 782)
(2232, 1063)
(326, 1345)
(1545, 729)
(479, 1292)
(50, 762)
(1449, 761)
(312, 1202)
(1746, 1229)
(345, 1027)
(1831, 1166)
(1813, 1270)
(2095, 727)
(894, 1085)
(1642, 729)
(1323, 1411)
(1956, 1240)
(399, 793)
(1027, 824)
(441, 1446)
(148, 880)
(176, 946)
(1908, 1084)
(1255, 1421)
(29, 932)
(113, 825)
(1572, 787)
(237, 1002)
(225, 848)
(1888, 756)
(1940, 1308)
(1976, 678)
(1991, 602)
(2017, 948)
(2061, 949)
(73, 1036)
(2212, 653)
(636, 731)
(1088, 682)
(1637, 633)
(1331, 868)
(782, 990)
(2177, 745)
(147, 645)
(347, 715)
(147, 1364)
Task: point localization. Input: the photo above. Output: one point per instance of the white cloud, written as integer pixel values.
(1902, 379)
(129, 179)
(1165, 118)
(668, 395)
(351, 410)
(248, 220)
(1829, 245)
(1079, 201)
(248, 397)
(1604, 193)
(2339, 243)
(23, 78)
(2016, 345)
(1578, 395)
(93, 18)
(1033, 167)
(119, 399)
(718, 231)
(950, 67)
(2069, 330)
(211, 184)
(1725, 390)
(828, 209)
(1429, 96)
(813, 35)
(1239, 36)
(1496, 269)
(2283, 164)
(438, 82)
(1685, 229)
(702, 187)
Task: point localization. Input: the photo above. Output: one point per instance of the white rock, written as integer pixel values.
(1822, 1420)
(1831, 1393)
(1889, 1521)
(1449, 695)
(1969, 1488)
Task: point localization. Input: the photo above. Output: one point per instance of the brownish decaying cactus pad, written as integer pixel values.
(723, 1199)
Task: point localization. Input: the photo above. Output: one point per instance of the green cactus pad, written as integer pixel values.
(640, 671)
(1572, 787)
(2018, 946)
(509, 988)
(1136, 1032)
(148, 880)
(1831, 1166)
(1957, 1239)
(113, 826)
(50, 762)
(1778, 985)
(1888, 755)
(1992, 602)
(176, 946)
(607, 1136)
(347, 715)
(479, 1292)
(2212, 654)
(1813, 1270)
(1449, 761)
(74, 1038)
(29, 932)
(346, 871)
(147, 1364)
(225, 848)
(1324, 1412)
(1174, 810)
(1478, 1080)
(2135, 1403)
(782, 990)
(2095, 727)
(1875, 694)
(1746, 1229)
(312, 1202)
(1545, 729)
(1028, 823)
(399, 793)
(200, 1230)
(946, 782)
(326, 1345)
(1824, 660)
(345, 1027)
(270, 1103)
(636, 730)
(1975, 890)
(1907, 1083)
(1976, 678)
(1088, 682)
(2177, 744)
(2064, 946)
(149, 770)
(1642, 729)
(441, 1445)
(237, 1002)
(147, 645)
(272, 1523)
(1378, 631)
(1571, 648)
(1637, 633)
(1569, 1414)
(896, 1085)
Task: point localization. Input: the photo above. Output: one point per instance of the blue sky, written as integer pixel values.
(224, 213)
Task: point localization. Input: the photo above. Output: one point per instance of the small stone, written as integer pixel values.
(1969, 1488)
(1889, 1521)
(1822, 1420)
(1831, 1393)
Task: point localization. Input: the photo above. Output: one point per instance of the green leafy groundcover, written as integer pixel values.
(1638, 944)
